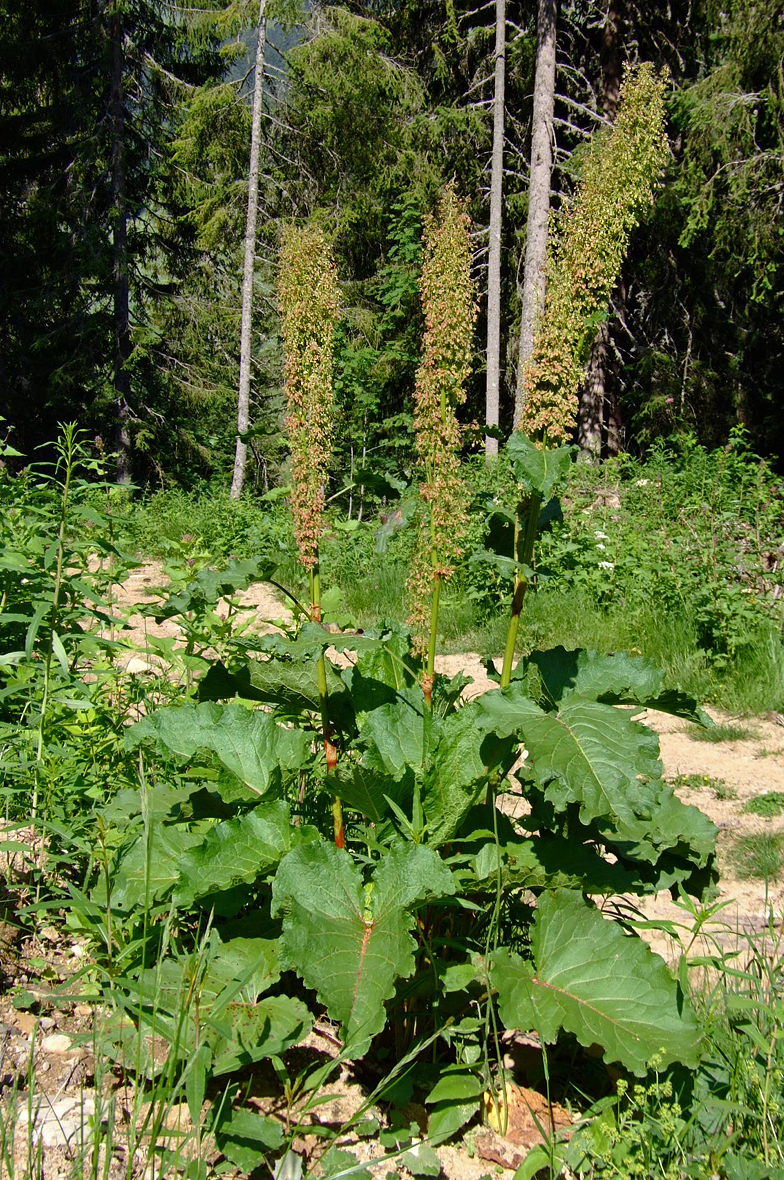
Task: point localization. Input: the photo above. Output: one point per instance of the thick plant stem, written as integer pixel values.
(330, 749)
(430, 667)
(524, 552)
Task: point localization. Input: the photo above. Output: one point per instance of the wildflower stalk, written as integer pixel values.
(309, 303)
(618, 181)
(449, 306)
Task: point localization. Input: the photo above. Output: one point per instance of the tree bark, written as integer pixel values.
(538, 191)
(243, 398)
(121, 337)
(598, 419)
(493, 390)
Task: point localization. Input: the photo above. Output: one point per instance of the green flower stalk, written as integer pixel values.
(617, 184)
(449, 305)
(309, 306)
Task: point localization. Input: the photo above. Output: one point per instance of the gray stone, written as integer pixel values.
(63, 1123)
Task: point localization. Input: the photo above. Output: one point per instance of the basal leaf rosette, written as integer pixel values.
(309, 306)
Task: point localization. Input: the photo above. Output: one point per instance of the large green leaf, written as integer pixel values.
(348, 940)
(149, 871)
(540, 470)
(246, 1137)
(591, 979)
(617, 679)
(238, 851)
(211, 997)
(466, 754)
(550, 862)
(244, 1033)
(367, 787)
(395, 737)
(665, 824)
(249, 743)
(587, 753)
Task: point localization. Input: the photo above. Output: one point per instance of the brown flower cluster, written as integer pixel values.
(449, 304)
(309, 307)
(617, 183)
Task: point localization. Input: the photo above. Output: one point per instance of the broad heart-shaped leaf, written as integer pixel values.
(587, 753)
(538, 469)
(663, 824)
(238, 851)
(466, 754)
(150, 872)
(395, 735)
(603, 986)
(249, 743)
(350, 941)
(245, 1033)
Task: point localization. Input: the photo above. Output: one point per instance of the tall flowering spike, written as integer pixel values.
(618, 182)
(449, 304)
(309, 307)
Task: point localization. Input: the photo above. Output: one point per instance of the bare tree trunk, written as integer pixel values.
(121, 336)
(493, 391)
(590, 417)
(243, 399)
(598, 419)
(538, 191)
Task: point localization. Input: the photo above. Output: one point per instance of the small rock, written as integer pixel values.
(136, 666)
(57, 1043)
(26, 1021)
(59, 1124)
(83, 1010)
(47, 1024)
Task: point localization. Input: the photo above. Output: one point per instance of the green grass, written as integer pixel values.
(770, 805)
(731, 732)
(704, 782)
(759, 856)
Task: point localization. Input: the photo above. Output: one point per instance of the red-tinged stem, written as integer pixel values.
(330, 749)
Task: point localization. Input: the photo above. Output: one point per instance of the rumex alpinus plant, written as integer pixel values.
(309, 307)
(440, 920)
(619, 175)
(449, 304)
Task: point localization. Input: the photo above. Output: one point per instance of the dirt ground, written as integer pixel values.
(48, 1068)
